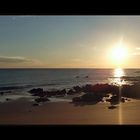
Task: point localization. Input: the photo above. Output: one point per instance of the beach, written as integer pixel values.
(21, 112)
(69, 97)
(69, 70)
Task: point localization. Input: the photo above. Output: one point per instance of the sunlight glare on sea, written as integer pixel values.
(118, 73)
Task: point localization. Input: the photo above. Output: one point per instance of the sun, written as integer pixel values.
(119, 53)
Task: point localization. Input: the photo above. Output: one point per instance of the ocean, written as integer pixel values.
(13, 79)
(19, 81)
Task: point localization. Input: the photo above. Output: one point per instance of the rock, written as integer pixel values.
(112, 107)
(58, 93)
(86, 76)
(115, 99)
(88, 98)
(62, 92)
(42, 99)
(98, 88)
(123, 100)
(1, 93)
(7, 99)
(36, 90)
(91, 97)
(107, 95)
(52, 93)
(77, 89)
(35, 104)
(71, 92)
(108, 100)
(76, 99)
(131, 91)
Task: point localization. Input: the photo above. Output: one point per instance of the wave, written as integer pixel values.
(13, 87)
(27, 86)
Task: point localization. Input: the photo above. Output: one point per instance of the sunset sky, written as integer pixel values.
(69, 41)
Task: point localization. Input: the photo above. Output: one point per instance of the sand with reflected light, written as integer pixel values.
(118, 73)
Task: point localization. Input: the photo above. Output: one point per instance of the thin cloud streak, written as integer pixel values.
(7, 59)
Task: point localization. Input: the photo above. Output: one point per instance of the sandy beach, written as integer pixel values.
(22, 112)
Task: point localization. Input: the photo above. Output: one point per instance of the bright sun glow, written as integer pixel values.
(119, 53)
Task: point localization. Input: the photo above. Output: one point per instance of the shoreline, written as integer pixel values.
(22, 112)
(79, 105)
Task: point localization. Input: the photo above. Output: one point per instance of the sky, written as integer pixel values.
(68, 41)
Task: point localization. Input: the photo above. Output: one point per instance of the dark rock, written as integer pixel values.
(114, 100)
(107, 95)
(57, 93)
(42, 99)
(98, 88)
(112, 107)
(40, 94)
(131, 91)
(123, 100)
(36, 90)
(108, 100)
(88, 98)
(86, 76)
(7, 99)
(91, 97)
(71, 92)
(77, 89)
(1, 93)
(35, 104)
(62, 92)
(52, 93)
(76, 99)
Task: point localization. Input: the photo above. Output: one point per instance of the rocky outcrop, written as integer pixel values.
(88, 98)
(71, 92)
(36, 90)
(102, 90)
(1, 93)
(35, 104)
(42, 99)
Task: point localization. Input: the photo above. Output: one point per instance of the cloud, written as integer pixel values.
(7, 59)
(23, 16)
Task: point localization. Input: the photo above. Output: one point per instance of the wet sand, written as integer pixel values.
(22, 112)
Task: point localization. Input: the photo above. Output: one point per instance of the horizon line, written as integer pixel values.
(61, 68)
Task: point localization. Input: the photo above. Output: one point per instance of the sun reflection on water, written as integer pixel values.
(118, 72)
(117, 79)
